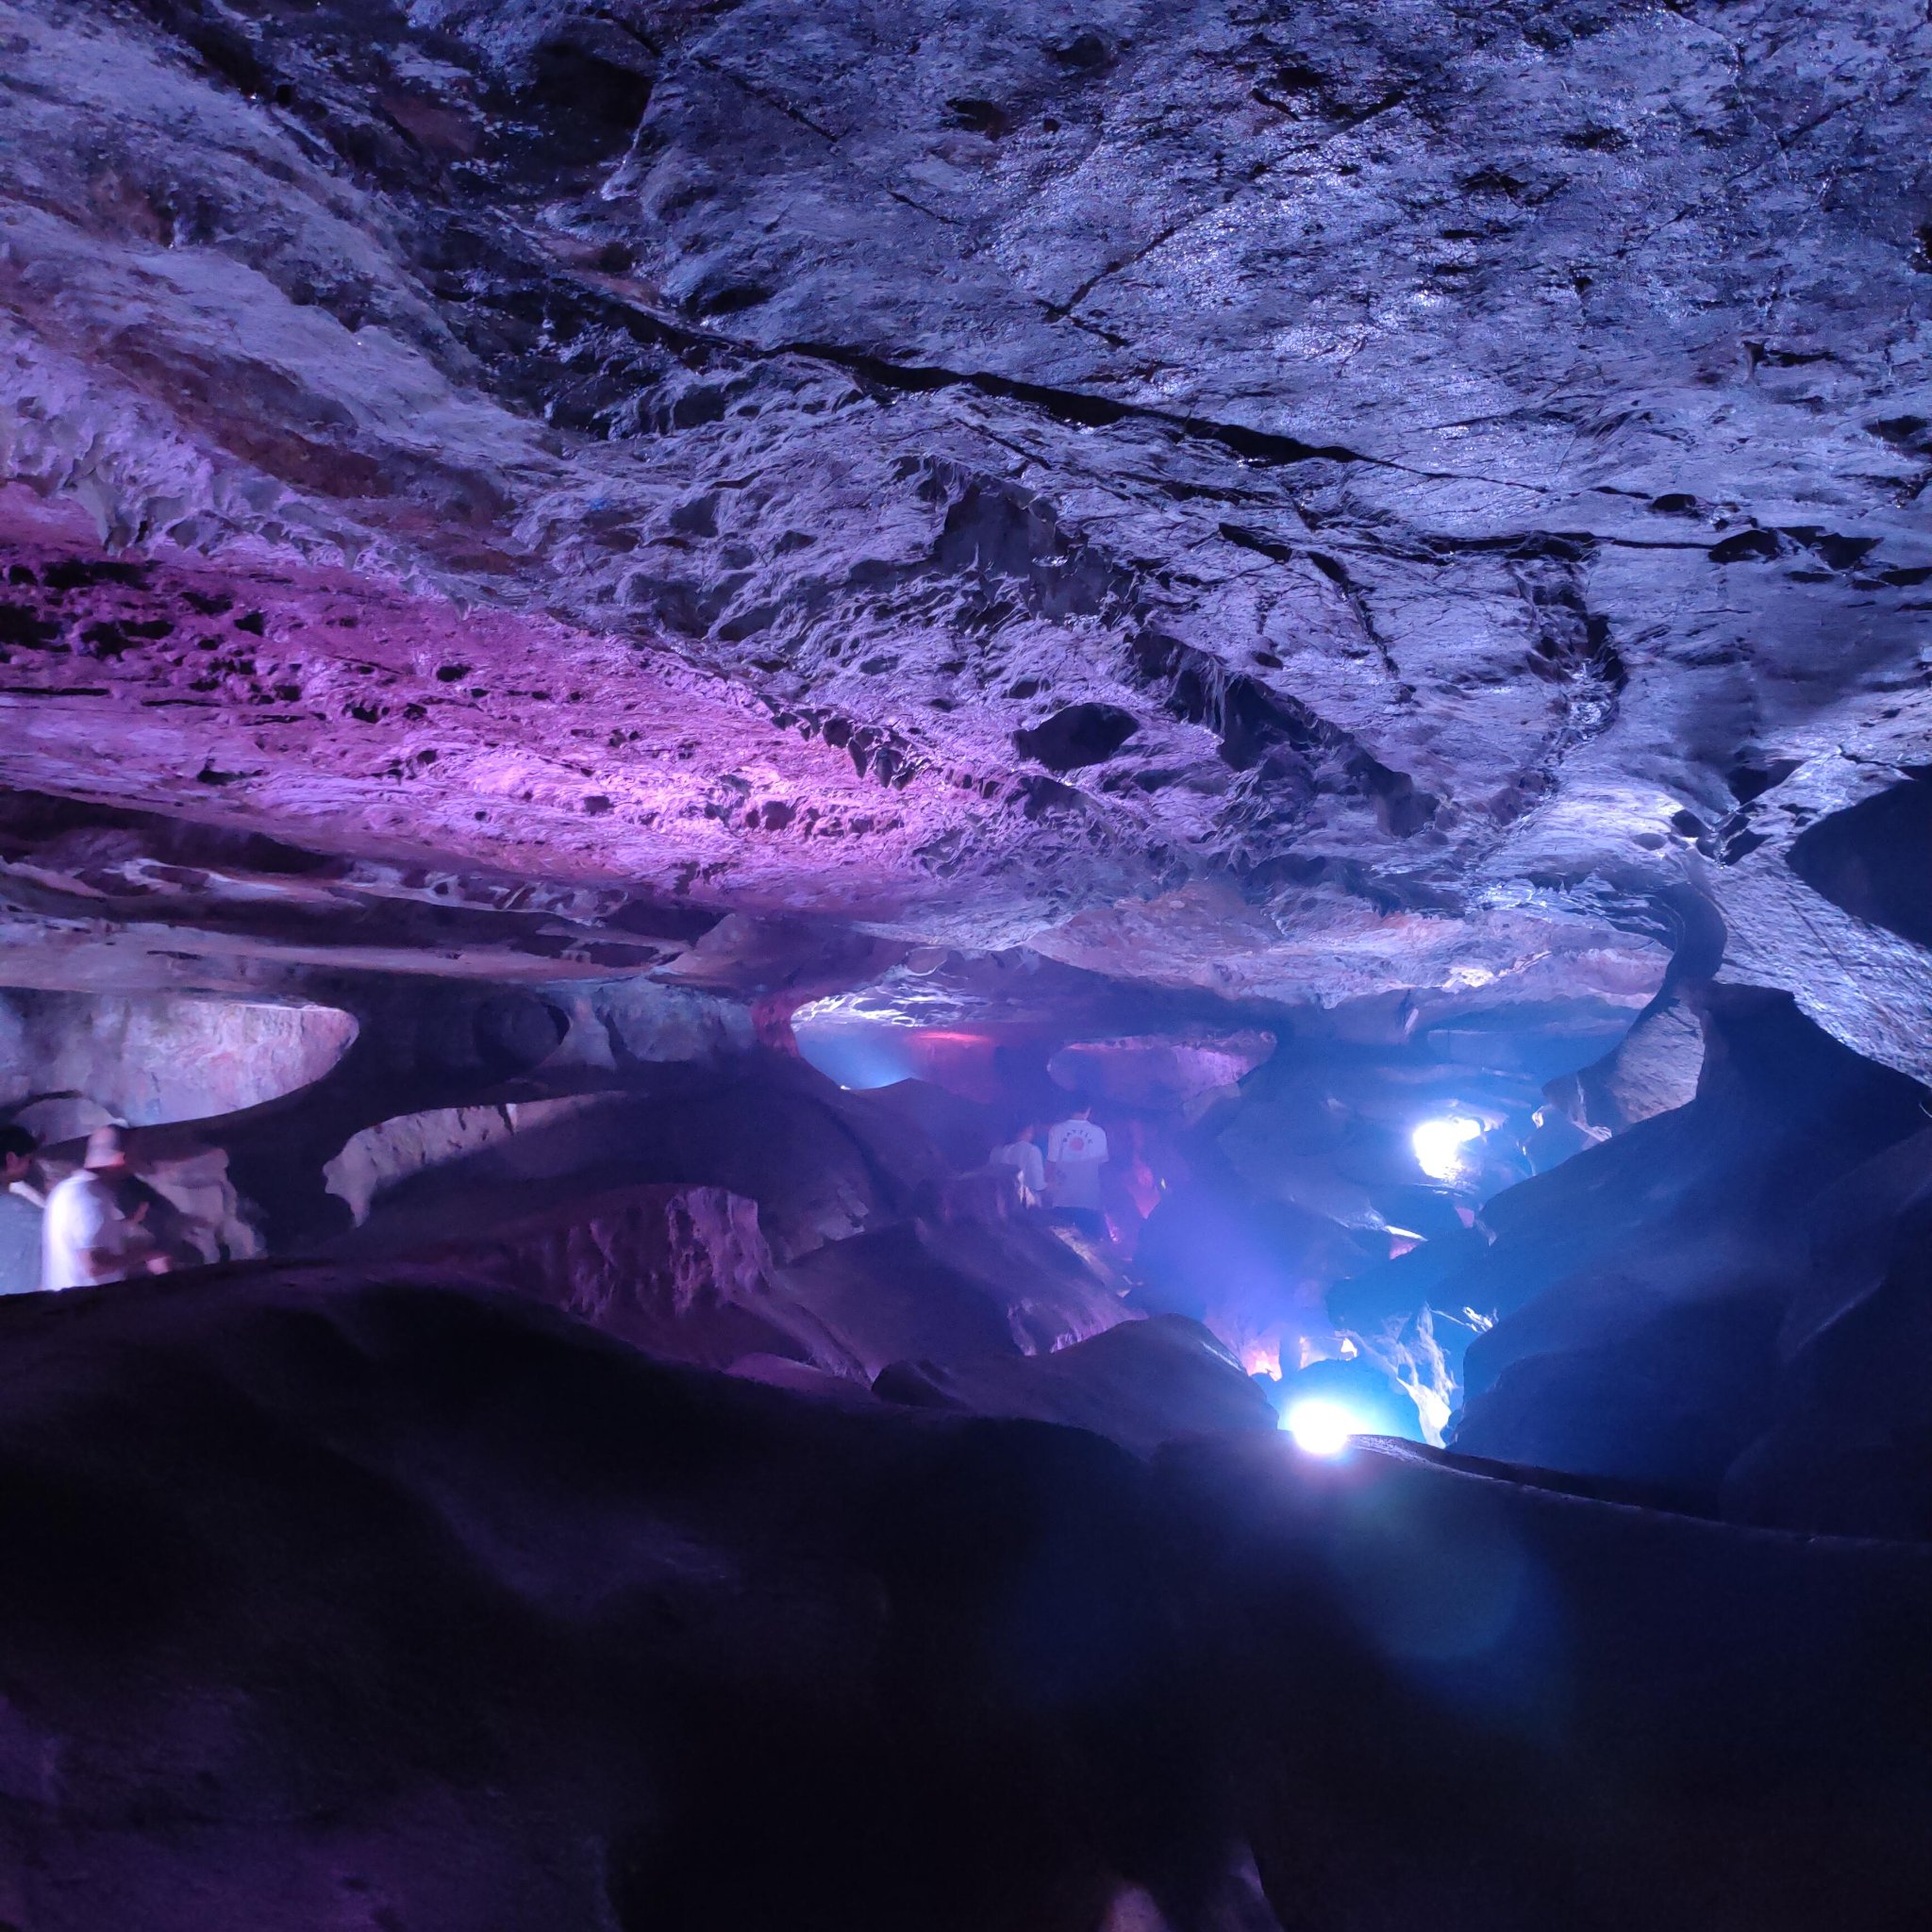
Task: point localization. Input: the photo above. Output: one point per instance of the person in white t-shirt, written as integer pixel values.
(1075, 1152)
(1022, 1153)
(85, 1238)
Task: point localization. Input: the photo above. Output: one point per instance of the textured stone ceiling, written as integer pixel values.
(1286, 501)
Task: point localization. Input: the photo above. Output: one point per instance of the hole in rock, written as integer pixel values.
(980, 117)
(1078, 735)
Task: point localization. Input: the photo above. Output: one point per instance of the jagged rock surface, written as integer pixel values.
(1671, 1298)
(1286, 501)
(685, 1273)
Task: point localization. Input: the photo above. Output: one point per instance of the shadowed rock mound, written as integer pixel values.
(377, 1598)
(1650, 1288)
(400, 1603)
(1849, 1445)
(1455, 1700)
(1142, 1384)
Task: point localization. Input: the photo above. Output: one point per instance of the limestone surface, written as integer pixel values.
(1298, 502)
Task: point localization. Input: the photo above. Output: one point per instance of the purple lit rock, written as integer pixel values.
(1257, 507)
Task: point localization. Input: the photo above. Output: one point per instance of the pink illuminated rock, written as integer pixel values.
(681, 1272)
(153, 1058)
(948, 1291)
(1182, 1072)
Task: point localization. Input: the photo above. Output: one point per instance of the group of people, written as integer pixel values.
(90, 1226)
(1064, 1175)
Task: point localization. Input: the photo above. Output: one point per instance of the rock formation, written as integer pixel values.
(1665, 1297)
(635, 632)
(342, 1594)
(633, 463)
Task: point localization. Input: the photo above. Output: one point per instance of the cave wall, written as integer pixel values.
(68, 1062)
(1247, 501)
(1687, 1303)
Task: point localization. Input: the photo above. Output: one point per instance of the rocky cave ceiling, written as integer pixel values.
(1274, 502)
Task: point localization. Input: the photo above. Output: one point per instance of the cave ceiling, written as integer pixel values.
(1282, 502)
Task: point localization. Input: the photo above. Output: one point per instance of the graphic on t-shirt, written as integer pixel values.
(1076, 1150)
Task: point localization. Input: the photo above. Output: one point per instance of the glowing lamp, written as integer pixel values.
(1320, 1427)
(1438, 1145)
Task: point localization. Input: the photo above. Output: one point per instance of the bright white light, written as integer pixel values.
(1319, 1426)
(1438, 1145)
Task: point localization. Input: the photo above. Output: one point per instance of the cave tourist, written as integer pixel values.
(22, 1205)
(1022, 1153)
(86, 1239)
(1075, 1152)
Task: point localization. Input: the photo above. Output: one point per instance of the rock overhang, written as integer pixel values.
(1288, 507)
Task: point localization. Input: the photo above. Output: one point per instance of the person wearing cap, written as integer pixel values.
(85, 1238)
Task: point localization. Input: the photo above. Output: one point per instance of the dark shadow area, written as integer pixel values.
(1874, 859)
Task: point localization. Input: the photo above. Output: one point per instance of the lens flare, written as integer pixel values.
(1320, 1427)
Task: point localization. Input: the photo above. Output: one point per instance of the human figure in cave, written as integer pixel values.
(1022, 1155)
(87, 1238)
(171, 1232)
(22, 1206)
(1075, 1152)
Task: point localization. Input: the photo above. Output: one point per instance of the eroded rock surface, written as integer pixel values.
(1298, 501)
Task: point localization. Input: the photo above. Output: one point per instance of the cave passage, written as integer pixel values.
(965, 968)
